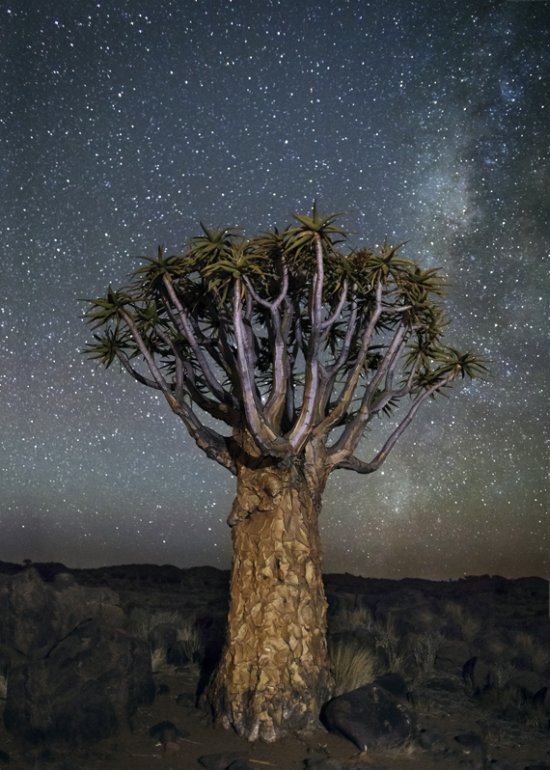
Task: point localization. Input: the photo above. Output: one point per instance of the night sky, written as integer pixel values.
(123, 123)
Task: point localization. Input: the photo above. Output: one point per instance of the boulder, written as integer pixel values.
(472, 746)
(73, 674)
(221, 761)
(37, 614)
(478, 675)
(27, 609)
(166, 732)
(451, 656)
(369, 716)
(82, 689)
(393, 683)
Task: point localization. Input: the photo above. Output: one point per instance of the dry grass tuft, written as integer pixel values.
(142, 623)
(422, 652)
(352, 664)
(352, 619)
(526, 644)
(158, 660)
(469, 625)
(189, 639)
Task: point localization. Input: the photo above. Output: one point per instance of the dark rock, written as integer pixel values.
(527, 684)
(4, 758)
(186, 700)
(431, 740)
(451, 656)
(541, 699)
(522, 662)
(468, 671)
(443, 684)
(323, 764)
(478, 675)
(240, 764)
(369, 716)
(166, 732)
(163, 636)
(220, 761)
(46, 756)
(27, 611)
(469, 740)
(538, 766)
(472, 745)
(68, 764)
(82, 689)
(394, 684)
(177, 655)
(37, 614)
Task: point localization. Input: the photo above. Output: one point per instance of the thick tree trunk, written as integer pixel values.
(274, 674)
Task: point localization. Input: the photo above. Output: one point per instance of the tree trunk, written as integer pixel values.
(274, 674)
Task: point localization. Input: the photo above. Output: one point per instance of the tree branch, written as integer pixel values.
(313, 366)
(344, 399)
(124, 360)
(275, 403)
(263, 435)
(186, 329)
(212, 444)
(144, 350)
(344, 459)
(352, 433)
(327, 325)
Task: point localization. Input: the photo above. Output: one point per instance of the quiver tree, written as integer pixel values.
(291, 344)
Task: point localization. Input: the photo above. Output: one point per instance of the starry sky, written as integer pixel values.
(125, 122)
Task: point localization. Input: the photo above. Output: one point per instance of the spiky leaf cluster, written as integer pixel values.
(287, 337)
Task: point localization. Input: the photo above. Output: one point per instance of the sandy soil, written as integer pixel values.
(450, 713)
(136, 750)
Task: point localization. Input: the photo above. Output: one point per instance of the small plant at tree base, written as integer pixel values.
(351, 619)
(189, 640)
(294, 343)
(352, 664)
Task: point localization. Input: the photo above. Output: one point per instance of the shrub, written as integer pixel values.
(422, 651)
(352, 664)
(526, 644)
(189, 639)
(469, 625)
(351, 619)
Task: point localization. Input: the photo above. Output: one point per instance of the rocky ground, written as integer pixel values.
(79, 650)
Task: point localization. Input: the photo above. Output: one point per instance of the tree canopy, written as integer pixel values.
(287, 337)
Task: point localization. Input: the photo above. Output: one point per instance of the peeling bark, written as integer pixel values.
(274, 675)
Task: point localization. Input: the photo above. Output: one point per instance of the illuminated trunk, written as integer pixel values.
(274, 674)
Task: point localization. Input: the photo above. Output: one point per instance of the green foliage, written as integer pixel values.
(265, 325)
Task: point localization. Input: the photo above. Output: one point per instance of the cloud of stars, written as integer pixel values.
(125, 123)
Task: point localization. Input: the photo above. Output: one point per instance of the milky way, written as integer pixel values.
(125, 123)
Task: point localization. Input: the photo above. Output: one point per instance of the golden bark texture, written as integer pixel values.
(274, 674)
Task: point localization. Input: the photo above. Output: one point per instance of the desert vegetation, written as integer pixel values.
(415, 642)
(276, 352)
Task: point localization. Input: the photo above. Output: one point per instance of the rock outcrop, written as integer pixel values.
(73, 673)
